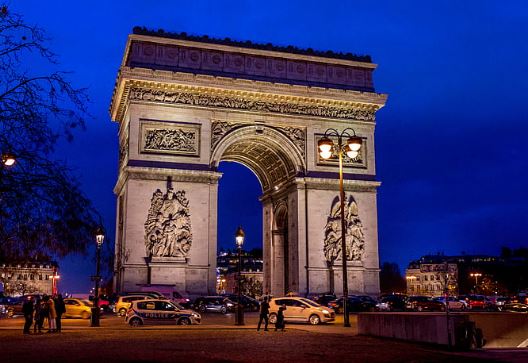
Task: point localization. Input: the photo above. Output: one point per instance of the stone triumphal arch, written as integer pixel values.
(184, 104)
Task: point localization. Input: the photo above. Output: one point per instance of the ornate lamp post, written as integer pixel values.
(239, 239)
(327, 148)
(99, 238)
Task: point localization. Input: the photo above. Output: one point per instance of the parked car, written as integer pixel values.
(123, 303)
(394, 302)
(14, 304)
(323, 299)
(423, 303)
(477, 302)
(300, 309)
(143, 312)
(248, 302)
(103, 302)
(217, 304)
(516, 308)
(452, 302)
(355, 304)
(77, 308)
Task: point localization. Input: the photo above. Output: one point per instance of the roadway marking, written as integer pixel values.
(523, 344)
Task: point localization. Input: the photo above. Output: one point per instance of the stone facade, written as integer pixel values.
(178, 120)
(24, 278)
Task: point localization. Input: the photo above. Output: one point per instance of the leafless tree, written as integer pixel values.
(43, 211)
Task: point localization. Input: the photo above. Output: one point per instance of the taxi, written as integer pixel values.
(77, 308)
(160, 312)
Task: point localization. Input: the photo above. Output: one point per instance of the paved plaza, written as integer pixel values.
(219, 340)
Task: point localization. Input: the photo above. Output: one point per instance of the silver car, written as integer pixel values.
(158, 312)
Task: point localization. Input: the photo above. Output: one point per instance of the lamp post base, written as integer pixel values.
(239, 316)
(94, 318)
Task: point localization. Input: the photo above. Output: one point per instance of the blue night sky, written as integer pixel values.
(451, 141)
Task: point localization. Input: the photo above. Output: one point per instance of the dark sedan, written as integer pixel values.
(424, 303)
(248, 302)
(355, 304)
(218, 304)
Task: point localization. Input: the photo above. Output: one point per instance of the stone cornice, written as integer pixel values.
(348, 185)
(220, 92)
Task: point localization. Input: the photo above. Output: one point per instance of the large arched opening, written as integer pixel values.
(275, 161)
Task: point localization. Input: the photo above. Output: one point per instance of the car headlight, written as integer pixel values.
(229, 304)
(325, 311)
(196, 315)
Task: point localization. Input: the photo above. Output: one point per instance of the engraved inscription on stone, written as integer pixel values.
(168, 226)
(354, 237)
(170, 138)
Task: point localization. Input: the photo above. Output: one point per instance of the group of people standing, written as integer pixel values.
(264, 312)
(39, 311)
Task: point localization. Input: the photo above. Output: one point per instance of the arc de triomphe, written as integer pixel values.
(184, 104)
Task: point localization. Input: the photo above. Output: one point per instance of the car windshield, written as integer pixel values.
(310, 302)
(178, 306)
(86, 302)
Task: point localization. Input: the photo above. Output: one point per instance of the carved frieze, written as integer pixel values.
(220, 128)
(170, 138)
(168, 226)
(354, 237)
(240, 103)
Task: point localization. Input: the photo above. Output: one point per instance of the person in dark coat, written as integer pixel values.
(44, 310)
(60, 308)
(38, 319)
(264, 311)
(280, 324)
(27, 310)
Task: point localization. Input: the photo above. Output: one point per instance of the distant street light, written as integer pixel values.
(476, 275)
(351, 148)
(99, 238)
(8, 159)
(239, 239)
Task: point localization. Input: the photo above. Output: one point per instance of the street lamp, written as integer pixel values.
(239, 239)
(476, 275)
(99, 238)
(351, 148)
(8, 159)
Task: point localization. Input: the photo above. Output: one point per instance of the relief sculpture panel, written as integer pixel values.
(170, 138)
(168, 226)
(354, 236)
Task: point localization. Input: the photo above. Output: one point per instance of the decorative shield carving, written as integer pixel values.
(354, 238)
(168, 226)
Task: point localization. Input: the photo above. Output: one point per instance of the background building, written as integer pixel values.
(21, 278)
(251, 272)
(506, 274)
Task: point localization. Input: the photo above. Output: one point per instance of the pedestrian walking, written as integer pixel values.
(280, 324)
(264, 311)
(37, 327)
(27, 310)
(60, 308)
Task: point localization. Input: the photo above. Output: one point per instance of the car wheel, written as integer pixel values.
(314, 319)
(184, 321)
(339, 310)
(122, 312)
(201, 308)
(10, 313)
(85, 315)
(223, 310)
(135, 322)
(273, 318)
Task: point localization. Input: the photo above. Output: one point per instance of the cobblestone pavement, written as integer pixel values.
(219, 340)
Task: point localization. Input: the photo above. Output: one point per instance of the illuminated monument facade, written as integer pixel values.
(184, 104)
